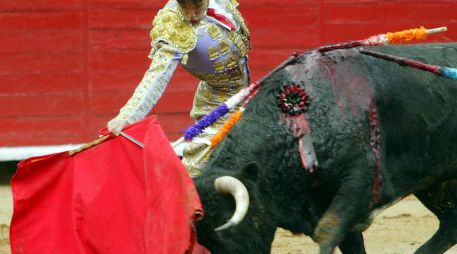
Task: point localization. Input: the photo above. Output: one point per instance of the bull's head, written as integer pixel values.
(234, 187)
(233, 202)
(261, 135)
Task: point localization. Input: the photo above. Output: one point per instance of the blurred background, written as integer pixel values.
(66, 67)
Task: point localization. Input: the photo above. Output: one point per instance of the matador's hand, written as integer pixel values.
(116, 125)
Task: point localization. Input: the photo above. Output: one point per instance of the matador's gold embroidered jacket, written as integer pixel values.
(210, 51)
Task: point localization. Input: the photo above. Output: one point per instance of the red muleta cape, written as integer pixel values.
(113, 197)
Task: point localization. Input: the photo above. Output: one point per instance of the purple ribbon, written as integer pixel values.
(205, 121)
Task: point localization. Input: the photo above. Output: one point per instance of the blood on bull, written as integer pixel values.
(330, 139)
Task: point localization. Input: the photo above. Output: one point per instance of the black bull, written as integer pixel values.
(380, 132)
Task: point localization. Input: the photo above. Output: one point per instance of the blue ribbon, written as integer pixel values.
(447, 72)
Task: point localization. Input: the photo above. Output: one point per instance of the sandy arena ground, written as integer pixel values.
(398, 230)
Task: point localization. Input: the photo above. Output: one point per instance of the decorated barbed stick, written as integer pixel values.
(220, 135)
(222, 132)
(216, 114)
(386, 39)
(194, 130)
(447, 72)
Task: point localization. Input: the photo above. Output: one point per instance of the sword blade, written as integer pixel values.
(127, 136)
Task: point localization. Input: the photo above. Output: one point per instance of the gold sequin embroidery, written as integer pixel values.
(213, 31)
(217, 51)
(243, 34)
(241, 45)
(213, 52)
(225, 47)
(171, 28)
(219, 66)
(231, 61)
(221, 79)
(151, 86)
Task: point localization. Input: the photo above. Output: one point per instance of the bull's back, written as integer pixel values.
(417, 109)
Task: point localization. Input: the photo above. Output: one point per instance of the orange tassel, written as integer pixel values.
(407, 35)
(220, 135)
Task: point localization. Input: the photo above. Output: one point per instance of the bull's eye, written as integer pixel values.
(293, 99)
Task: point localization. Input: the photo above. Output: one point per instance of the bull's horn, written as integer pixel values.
(233, 186)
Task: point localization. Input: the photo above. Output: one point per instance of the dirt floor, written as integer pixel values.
(398, 230)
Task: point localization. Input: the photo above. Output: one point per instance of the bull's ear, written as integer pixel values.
(250, 171)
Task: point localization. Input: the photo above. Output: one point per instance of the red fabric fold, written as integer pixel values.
(114, 197)
(221, 18)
